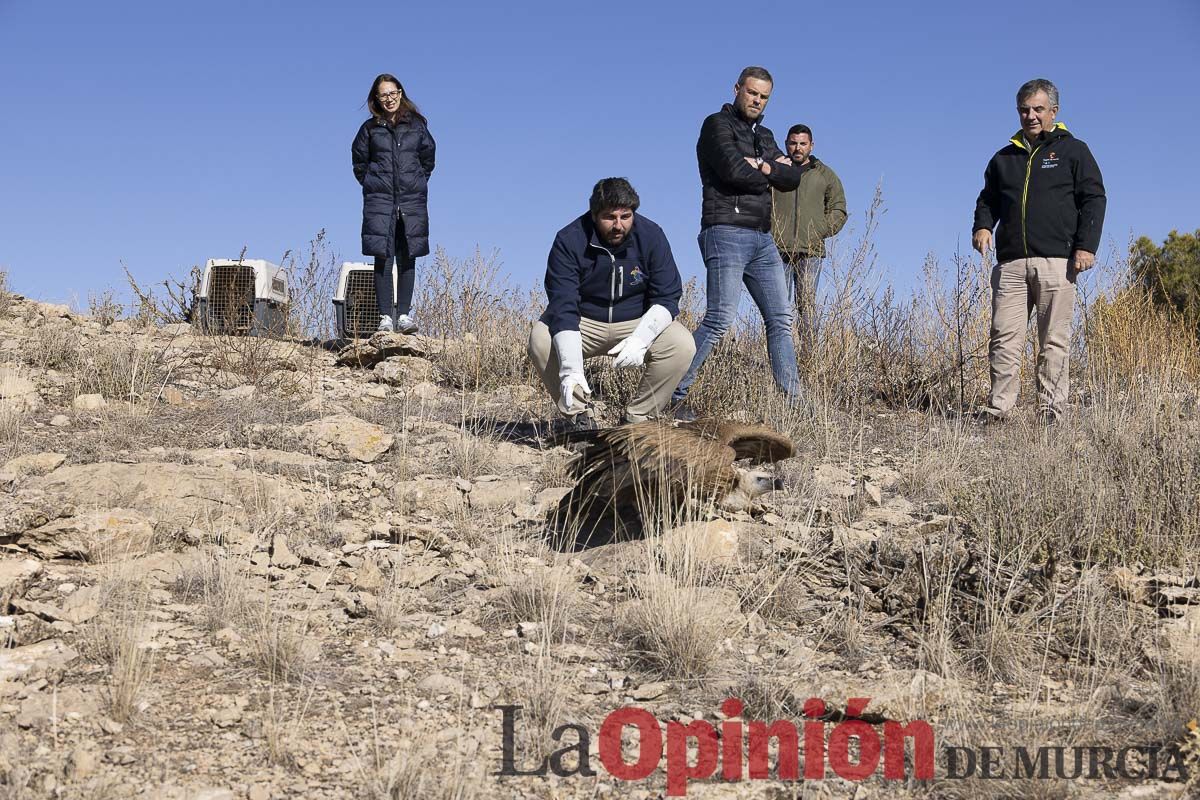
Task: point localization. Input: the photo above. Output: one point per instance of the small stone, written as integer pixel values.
(81, 763)
(89, 402)
(873, 493)
(60, 421)
(650, 691)
(281, 556)
(111, 726)
(439, 684)
(435, 630)
(172, 396)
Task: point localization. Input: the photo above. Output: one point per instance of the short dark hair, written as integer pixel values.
(610, 193)
(792, 131)
(755, 72)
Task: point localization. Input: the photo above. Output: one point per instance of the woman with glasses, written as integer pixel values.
(393, 159)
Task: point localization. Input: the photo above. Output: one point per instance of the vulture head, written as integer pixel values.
(656, 469)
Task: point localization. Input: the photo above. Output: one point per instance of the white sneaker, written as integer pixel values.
(385, 324)
(405, 324)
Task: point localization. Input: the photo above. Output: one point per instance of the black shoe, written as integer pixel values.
(578, 423)
(681, 411)
(984, 418)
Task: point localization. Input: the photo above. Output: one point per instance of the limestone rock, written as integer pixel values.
(25, 662)
(833, 481)
(177, 495)
(17, 392)
(89, 402)
(35, 464)
(404, 371)
(92, 536)
(15, 579)
(345, 437)
(715, 541)
(441, 495)
(385, 345)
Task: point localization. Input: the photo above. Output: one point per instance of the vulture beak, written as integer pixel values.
(778, 484)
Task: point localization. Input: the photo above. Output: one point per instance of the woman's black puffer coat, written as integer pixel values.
(393, 164)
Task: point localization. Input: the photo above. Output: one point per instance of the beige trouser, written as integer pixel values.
(1018, 287)
(667, 360)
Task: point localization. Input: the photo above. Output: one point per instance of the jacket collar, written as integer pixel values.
(733, 112)
(1057, 132)
(594, 239)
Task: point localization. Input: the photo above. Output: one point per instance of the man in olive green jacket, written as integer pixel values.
(801, 221)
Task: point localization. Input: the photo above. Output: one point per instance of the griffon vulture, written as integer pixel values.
(628, 472)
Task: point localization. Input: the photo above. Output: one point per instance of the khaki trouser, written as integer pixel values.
(666, 361)
(1019, 287)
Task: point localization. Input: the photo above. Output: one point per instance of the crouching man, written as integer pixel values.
(614, 289)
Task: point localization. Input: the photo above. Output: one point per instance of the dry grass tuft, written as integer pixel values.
(218, 584)
(119, 638)
(280, 644)
(483, 322)
(6, 297)
(673, 630)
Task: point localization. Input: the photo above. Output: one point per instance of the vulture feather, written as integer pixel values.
(656, 468)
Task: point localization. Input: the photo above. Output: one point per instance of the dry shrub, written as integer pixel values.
(283, 719)
(12, 426)
(548, 596)
(483, 322)
(544, 690)
(675, 624)
(123, 368)
(1132, 470)
(1131, 341)
(409, 774)
(218, 584)
(119, 638)
(175, 300)
(312, 280)
(280, 644)
(472, 452)
(104, 307)
(55, 346)
(7, 299)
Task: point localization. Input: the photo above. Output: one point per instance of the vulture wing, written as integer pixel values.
(756, 442)
(648, 462)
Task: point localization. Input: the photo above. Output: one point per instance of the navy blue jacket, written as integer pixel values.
(393, 165)
(586, 277)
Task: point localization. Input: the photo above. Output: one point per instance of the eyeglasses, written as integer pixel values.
(389, 96)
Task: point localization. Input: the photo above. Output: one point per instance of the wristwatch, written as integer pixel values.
(760, 162)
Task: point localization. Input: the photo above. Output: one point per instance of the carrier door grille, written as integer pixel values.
(361, 310)
(231, 299)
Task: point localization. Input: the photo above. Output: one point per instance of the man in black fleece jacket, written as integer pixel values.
(1045, 192)
(739, 164)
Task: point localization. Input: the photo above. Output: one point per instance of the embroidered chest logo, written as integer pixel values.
(636, 276)
(1050, 161)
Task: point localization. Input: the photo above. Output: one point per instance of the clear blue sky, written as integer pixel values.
(163, 133)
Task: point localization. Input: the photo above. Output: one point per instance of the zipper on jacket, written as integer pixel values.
(1025, 199)
(612, 283)
(621, 283)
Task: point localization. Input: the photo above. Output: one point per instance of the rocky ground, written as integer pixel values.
(248, 569)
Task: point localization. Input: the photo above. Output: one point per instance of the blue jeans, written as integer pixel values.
(733, 256)
(804, 274)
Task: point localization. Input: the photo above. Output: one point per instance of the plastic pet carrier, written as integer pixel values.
(246, 297)
(354, 303)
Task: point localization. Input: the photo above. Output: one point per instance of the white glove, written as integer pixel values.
(631, 350)
(569, 346)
